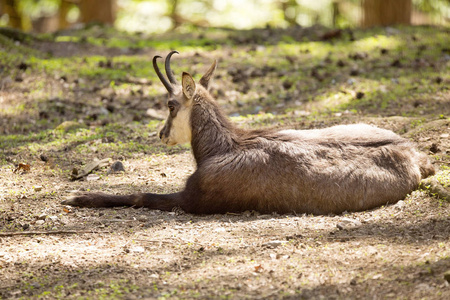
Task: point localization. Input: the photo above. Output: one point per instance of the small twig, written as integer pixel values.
(49, 232)
(153, 241)
(117, 220)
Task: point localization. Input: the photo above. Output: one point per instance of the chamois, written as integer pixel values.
(319, 171)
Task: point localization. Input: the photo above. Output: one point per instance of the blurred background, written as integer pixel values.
(159, 16)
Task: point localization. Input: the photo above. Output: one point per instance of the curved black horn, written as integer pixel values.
(168, 70)
(164, 81)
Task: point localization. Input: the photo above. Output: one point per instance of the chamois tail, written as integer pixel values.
(165, 202)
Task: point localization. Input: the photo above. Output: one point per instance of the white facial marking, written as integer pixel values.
(180, 131)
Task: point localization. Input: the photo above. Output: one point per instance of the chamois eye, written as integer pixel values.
(171, 107)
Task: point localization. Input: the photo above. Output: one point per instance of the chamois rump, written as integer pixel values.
(320, 171)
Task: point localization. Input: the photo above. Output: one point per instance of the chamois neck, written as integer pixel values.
(212, 132)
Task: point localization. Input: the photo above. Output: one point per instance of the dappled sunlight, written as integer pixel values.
(376, 42)
(95, 96)
(295, 255)
(12, 110)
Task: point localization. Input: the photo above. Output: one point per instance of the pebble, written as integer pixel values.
(37, 188)
(142, 218)
(274, 244)
(400, 204)
(377, 276)
(92, 177)
(40, 222)
(346, 223)
(137, 249)
(53, 218)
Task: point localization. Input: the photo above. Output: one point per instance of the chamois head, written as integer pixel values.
(177, 129)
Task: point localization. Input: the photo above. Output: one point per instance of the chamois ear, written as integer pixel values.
(204, 81)
(188, 85)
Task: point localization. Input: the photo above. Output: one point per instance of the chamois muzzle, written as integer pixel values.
(167, 83)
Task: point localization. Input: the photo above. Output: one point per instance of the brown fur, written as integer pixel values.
(341, 168)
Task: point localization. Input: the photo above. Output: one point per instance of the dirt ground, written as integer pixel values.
(50, 251)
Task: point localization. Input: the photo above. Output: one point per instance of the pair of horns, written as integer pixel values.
(168, 84)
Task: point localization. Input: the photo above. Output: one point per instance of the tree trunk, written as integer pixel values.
(386, 12)
(15, 18)
(103, 11)
(63, 11)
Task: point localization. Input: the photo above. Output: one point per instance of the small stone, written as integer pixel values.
(137, 249)
(42, 216)
(53, 218)
(40, 222)
(142, 218)
(347, 223)
(274, 244)
(340, 226)
(92, 177)
(37, 188)
(400, 204)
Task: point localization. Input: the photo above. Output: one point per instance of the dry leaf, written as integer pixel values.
(23, 167)
(259, 268)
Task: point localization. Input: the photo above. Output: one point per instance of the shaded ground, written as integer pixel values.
(68, 99)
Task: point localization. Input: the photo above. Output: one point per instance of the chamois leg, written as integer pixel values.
(153, 201)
